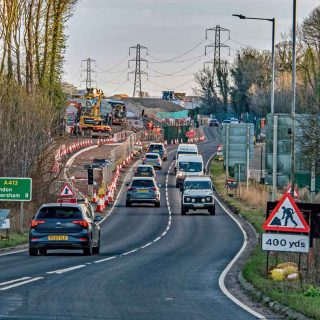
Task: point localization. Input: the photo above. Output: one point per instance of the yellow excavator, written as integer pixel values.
(91, 122)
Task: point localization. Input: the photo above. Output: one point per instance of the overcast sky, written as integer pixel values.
(104, 30)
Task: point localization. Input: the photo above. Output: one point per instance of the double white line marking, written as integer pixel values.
(17, 282)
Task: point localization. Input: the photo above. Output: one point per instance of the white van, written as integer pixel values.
(184, 148)
(188, 165)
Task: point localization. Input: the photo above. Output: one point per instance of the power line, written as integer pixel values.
(116, 65)
(180, 55)
(177, 50)
(138, 72)
(175, 61)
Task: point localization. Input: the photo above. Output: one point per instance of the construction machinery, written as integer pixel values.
(118, 111)
(91, 122)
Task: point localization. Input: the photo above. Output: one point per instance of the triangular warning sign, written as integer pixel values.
(66, 191)
(295, 192)
(286, 216)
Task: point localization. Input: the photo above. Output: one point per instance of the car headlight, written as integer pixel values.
(203, 200)
(193, 200)
(208, 199)
(187, 199)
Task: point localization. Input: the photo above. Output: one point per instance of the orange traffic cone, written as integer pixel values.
(94, 198)
(99, 206)
(106, 200)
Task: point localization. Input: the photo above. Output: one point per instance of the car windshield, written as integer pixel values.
(142, 183)
(190, 166)
(59, 213)
(197, 185)
(152, 156)
(144, 169)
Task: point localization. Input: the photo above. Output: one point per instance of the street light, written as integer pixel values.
(273, 20)
(275, 119)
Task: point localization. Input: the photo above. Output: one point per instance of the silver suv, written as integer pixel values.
(197, 194)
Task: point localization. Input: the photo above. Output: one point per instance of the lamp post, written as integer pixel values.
(274, 158)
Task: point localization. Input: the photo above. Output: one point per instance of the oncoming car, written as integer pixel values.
(153, 159)
(64, 226)
(143, 190)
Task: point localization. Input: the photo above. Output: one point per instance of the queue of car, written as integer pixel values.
(74, 225)
(143, 188)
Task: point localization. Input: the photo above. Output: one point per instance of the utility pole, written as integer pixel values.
(88, 71)
(293, 107)
(217, 46)
(137, 72)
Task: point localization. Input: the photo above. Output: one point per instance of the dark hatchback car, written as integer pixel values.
(64, 226)
(145, 170)
(158, 148)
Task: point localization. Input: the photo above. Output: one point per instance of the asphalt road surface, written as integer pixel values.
(154, 264)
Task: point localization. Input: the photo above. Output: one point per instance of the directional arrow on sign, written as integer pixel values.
(66, 191)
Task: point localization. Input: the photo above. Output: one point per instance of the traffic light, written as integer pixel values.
(90, 176)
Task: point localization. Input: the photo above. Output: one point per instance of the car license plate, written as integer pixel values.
(198, 205)
(143, 190)
(144, 173)
(58, 238)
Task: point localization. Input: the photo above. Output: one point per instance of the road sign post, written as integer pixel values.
(292, 230)
(16, 189)
(283, 242)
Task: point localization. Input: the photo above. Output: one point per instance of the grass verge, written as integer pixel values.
(298, 296)
(14, 240)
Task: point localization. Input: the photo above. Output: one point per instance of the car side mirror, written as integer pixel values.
(159, 185)
(174, 157)
(213, 188)
(127, 184)
(204, 171)
(97, 218)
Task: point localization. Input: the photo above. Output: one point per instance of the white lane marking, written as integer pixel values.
(120, 191)
(12, 252)
(129, 252)
(66, 269)
(13, 281)
(232, 262)
(146, 245)
(106, 259)
(229, 266)
(20, 283)
(153, 241)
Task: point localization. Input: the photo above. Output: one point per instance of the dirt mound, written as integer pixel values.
(151, 105)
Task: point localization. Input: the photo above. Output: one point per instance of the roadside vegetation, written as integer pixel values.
(32, 46)
(301, 295)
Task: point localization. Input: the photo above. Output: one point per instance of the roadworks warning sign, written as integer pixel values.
(286, 217)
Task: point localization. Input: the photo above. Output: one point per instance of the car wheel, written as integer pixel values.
(43, 251)
(183, 211)
(88, 250)
(212, 211)
(33, 252)
(157, 204)
(128, 204)
(96, 250)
